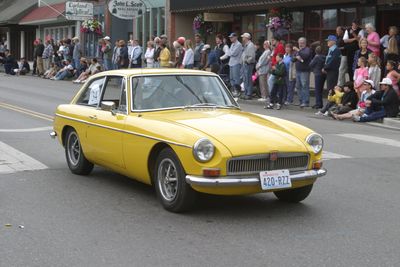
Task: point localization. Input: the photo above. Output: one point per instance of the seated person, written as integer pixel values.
(9, 62)
(24, 67)
(88, 72)
(50, 73)
(83, 67)
(348, 102)
(66, 72)
(359, 111)
(384, 103)
(334, 99)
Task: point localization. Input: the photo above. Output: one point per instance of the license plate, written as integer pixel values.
(277, 179)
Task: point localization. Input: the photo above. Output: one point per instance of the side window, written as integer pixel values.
(91, 95)
(115, 91)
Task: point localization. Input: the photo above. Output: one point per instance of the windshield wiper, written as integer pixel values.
(210, 105)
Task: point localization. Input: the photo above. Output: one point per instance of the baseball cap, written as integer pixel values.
(332, 38)
(386, 81)
(232, 35)
(107, 38)
(164, 36)
(246, 35)
(370, 82)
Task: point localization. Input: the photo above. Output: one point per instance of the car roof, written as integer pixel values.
(153, 71)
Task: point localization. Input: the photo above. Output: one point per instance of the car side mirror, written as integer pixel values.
(107, 106)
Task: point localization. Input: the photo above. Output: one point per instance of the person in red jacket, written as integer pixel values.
(278, 48)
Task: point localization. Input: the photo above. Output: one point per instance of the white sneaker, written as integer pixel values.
(326, 114)
(262, 99)
(319, 113)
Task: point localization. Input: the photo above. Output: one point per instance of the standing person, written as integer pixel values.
(39, 59)
(262, 67)
(35, 46)
(197, 50)
(179, 54)
(277, 48)
(384, 103)
(115, 55)
(60, 52)
(343, 59)
(188, 58)
(204, 56)
(316, 65)
(290, 81)
(248, 61)
(235, 53)
(47, 55)
(360, 75)
(218, 53)
(374, 71)
(225, 57)
(157, 51)
(164, 40)
(136, 55)
(362, 52)
(303, 58)
(165, 56)
(76, 53)
(123, 59)
(374, 41)
(351, 39)
(392, 51)
(68, 49)
(332, 62)
(279, 71)
(107, 53)
(149, 55)
(393, 75)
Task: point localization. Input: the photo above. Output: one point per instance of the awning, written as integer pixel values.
(11, 11)
(44, 15)
(195, 5)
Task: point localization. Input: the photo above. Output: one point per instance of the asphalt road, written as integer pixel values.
(50, 217)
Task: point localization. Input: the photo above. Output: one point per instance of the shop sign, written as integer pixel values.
(126, 9)
(78, 10)
(218, 17)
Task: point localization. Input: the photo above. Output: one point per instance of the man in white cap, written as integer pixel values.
(107, 53)
(384, 103)
(248, 61)
(235, 55)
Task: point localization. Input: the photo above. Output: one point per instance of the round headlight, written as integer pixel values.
(203, 150)
(316, 142)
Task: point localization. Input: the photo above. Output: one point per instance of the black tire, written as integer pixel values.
(172, 190)
(76, 160)
(294, 195)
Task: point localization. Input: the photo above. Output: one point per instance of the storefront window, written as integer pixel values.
(346, 16)
(255, 25)
(329, 18)
(315, 19)
(367, 14)
(298, 22)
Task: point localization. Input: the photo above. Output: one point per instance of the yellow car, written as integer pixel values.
(184, 133)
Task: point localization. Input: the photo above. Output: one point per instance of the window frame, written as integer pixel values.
(86, 88)
(124, 79)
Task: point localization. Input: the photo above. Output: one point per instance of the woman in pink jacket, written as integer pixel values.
(374, 42)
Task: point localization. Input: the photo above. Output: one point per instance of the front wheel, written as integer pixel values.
(76, 160)
(172, 190)
(294, 195)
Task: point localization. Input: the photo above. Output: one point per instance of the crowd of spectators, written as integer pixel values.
(349, 65)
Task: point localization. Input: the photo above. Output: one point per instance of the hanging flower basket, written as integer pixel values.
(91, 26)
(198, 23)
(279, 21)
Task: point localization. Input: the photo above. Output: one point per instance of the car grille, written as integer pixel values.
(258, 163)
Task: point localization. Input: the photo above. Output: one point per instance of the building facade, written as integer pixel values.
(312, 19)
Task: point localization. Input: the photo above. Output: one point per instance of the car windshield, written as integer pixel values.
(176, 91)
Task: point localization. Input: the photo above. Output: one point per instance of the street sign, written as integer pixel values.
(78, 10)
(126, 9)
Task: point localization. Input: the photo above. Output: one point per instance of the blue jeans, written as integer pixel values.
(319, 87)
(107, 64)
(271, 81)
(190, 66)
(247, 80)
(76, 62)
(278, 93)
(373, 115)
(290, 85)
(234, 75)
(303, 87)
(62, 75)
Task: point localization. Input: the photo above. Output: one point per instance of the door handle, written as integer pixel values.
(93, 117)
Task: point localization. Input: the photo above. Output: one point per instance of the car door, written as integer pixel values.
(106, 125)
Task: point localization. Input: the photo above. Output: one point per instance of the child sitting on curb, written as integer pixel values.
(334, 99)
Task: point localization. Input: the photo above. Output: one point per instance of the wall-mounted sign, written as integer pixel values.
(126, 9)
(78, 10)
(218, 17)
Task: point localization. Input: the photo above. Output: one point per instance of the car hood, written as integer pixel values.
(241, 132)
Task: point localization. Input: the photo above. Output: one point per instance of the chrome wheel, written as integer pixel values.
(167, 177)
(73, 149)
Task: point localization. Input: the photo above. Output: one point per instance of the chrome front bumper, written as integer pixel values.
(249, 180)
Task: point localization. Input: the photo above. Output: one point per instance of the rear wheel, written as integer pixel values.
(76, 160)
(294, 195)
(172, 190)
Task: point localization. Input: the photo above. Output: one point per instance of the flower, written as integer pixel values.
(91, 25)
(198, 22)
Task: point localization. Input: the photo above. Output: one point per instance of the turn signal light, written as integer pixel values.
(317, 165)
(211, 172)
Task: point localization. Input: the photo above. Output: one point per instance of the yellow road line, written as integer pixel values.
(27, 112)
